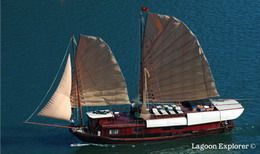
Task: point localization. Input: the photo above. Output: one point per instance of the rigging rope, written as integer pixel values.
(55, 78)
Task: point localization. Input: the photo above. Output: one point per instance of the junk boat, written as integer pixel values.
(178, 95)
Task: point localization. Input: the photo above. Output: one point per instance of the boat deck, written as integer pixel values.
(179, 109)
(156, 111)
(175, 114)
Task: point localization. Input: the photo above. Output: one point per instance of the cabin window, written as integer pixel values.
(113, 131)
(138, 129)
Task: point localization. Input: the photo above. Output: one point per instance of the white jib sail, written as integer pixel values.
(59, 106)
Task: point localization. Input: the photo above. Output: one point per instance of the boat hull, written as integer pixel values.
(205, 129)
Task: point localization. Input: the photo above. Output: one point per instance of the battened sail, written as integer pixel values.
(100, 79)
(59, 106)
(178, 68)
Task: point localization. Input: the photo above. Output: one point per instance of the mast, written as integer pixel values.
(77, 85)
(142, 24)
(144, 74)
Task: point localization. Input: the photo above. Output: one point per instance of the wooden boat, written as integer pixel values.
(177, 89)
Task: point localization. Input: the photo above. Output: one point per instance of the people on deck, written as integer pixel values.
(204, 108)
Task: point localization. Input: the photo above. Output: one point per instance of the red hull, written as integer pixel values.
(152, 134)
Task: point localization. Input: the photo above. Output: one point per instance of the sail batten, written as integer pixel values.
(59, 106)
(163, 45)
(178, 67)
(188, 84)
(173, 55)
(100, 78)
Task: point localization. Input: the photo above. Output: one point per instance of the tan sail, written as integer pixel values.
(179, 71)
(99, 76)
(59, 106)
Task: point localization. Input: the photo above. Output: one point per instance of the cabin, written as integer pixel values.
(170, 119)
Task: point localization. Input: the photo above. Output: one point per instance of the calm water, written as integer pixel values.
(34, 39)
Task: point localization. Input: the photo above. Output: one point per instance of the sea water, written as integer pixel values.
(35, 34)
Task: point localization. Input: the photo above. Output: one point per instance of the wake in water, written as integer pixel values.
(96, 145)
(90, 144)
